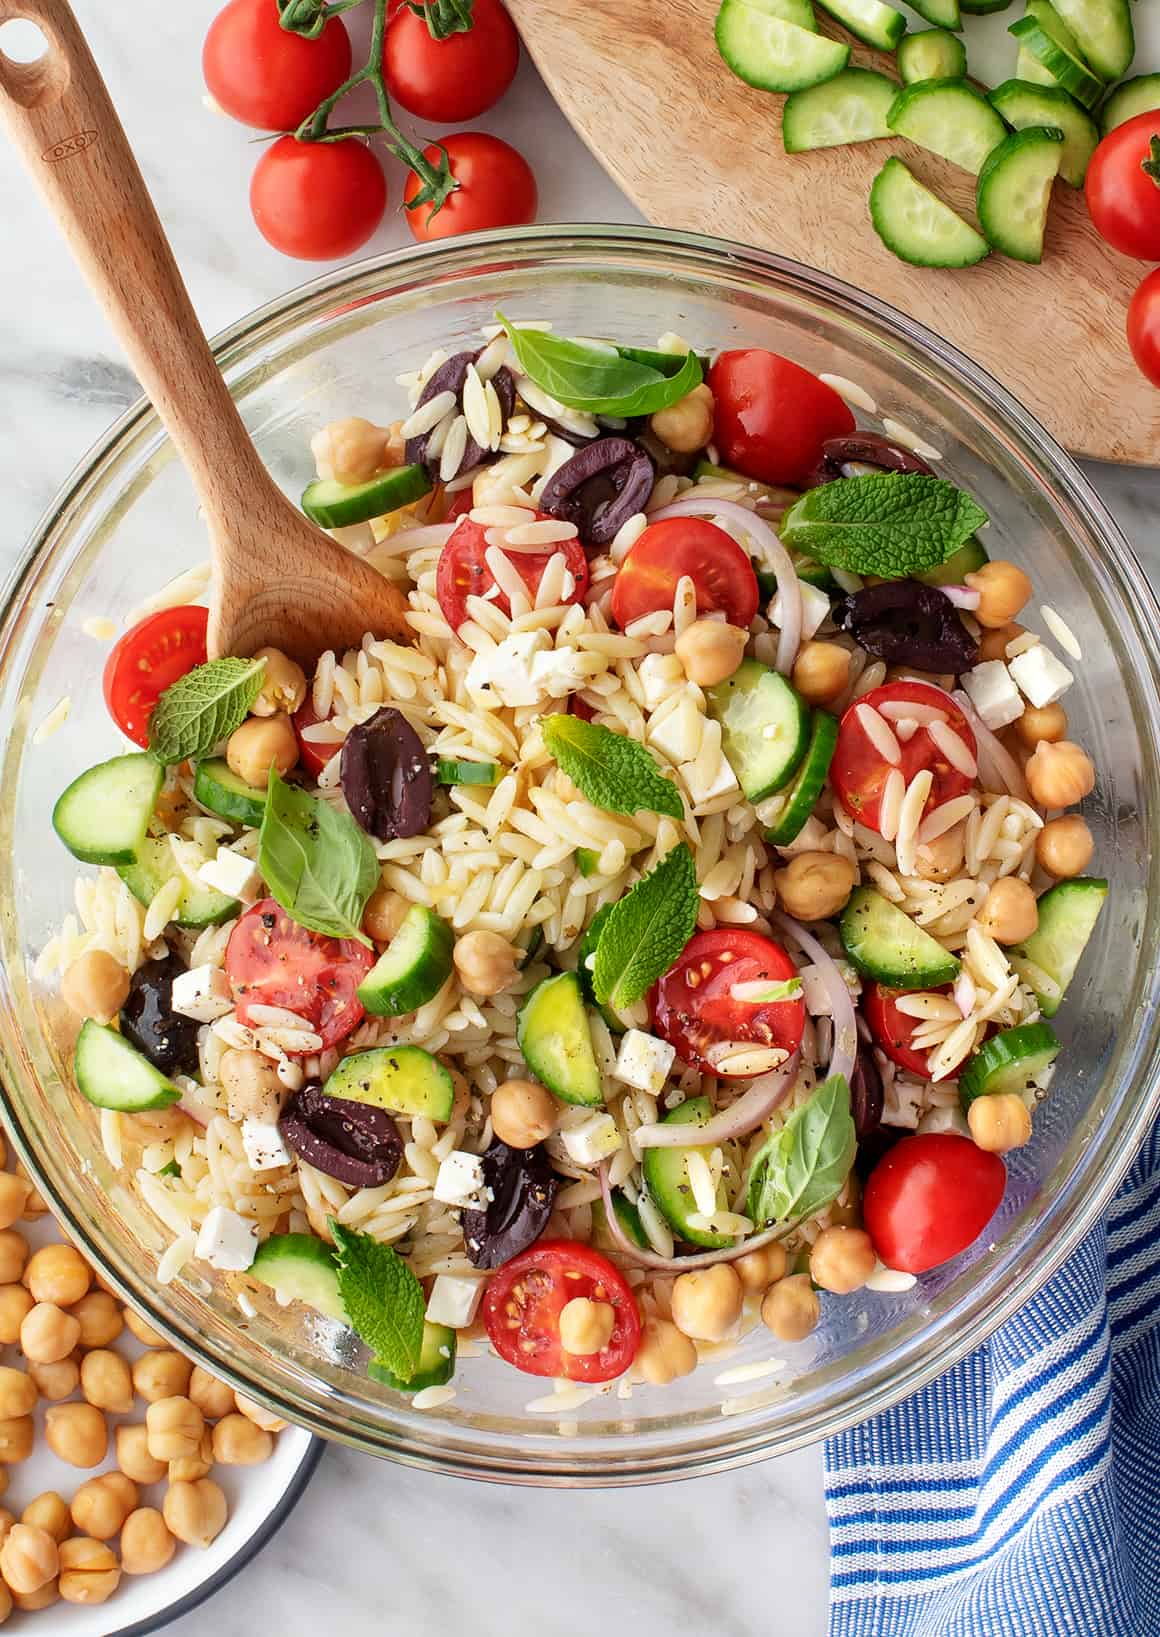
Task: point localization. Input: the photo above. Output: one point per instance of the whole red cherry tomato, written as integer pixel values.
(772, 416)
(318, 200)
(929, 1197)
(260, 73)
(456, 78)
(496, 188)
(1122, 187)
(1144, 327)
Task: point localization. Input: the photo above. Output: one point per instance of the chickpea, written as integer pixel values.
(821, 672)
(283, 684)
(48, 1333)
(352, 450)
(191, 1467)
(35, 1204)
(791, 1308)
(133, 1457)
(101, 1505)
(162, 1374)
(18, 1393)
(707, 1303)
(522, 1113)
(29, 1558)
(993, 644)
(1064, 847)
(58, 1273)
(260, 744)
(175, 1426)
(384, 914)
(586, 1326)
(56, 1381)
(664, 1354)
(212, 1397)
(941, 858)
(1009, 913)
(89, 1572)
(999, 1122)
(486, 963)
(814, 886)
(842, 1259)
(15, 1304)
(1059, 775)
(195, 1513)
(16, 1436)
(136, 1326)
(1003, 589)
(252, 1087)
(758, 1269)
(30, 1602)
(6, 1603)
(146, 1544)
(49, 1512)
(13, 1256)
(100, 1317)
(238, 1442)
(77, 1433)
(1050, 723)
(14, 1193)
(260, 1417)
(7, 1519)
(711, 651)
(95, 985)
(106, 1381)
(687, 425)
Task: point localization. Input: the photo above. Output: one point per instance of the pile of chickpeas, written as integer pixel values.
(183, 1423)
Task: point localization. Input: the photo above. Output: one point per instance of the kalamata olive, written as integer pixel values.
(357, 1144)
(871, 1149)
(386, 776)
(907, 623)
(149, 1022)
(600, 487)
(449, 377)
(666, 461)
(864, 449)
(866, 1096)
(521, 1187)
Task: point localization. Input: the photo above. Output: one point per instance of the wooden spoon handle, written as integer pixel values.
(60, 116)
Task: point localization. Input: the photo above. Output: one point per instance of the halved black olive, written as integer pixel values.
(866, 1096)
(864, 449)
(149, 1022)
(449, 377)
(521, 1189)
(386, 776)
(601, 487)
(358, 1145)
(907, 623)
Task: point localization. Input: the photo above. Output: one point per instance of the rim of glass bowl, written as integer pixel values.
(855, 1387)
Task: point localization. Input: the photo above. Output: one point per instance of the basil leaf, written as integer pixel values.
(598, 379)
(802, 1167)
(204, 707)
(890, 524)
(316, 862)
(646, 930)
(612, 770)
(382, 1297)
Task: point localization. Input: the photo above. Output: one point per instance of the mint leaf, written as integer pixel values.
(646, 930)
(204, 707)
(890, 524)
(383, 1299)
(802, 1167)
(603, 380)
(612, 770)
(316, 861)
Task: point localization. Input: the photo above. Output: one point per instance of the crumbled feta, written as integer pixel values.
(460, 1179)
(227, 1241)
(232, 874)
(1040, 675)
(590, 1138)
(723, 782)
(643, 1061)
(504, 673)
(815, 608)
(671, 737)
(993, 694)
(454, 1300)
(902, 1103)
(558, 671)
(202, 993)
(658, 674)
(264, 1145)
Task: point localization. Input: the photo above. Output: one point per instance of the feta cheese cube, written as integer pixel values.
(454, 1300)
(264, 1145)
(227, 1241)
(1040, 675)
(903, 1103)
(460, 1180)
(202, 993)
(722, 783)
(815, 607)
(504, 674)
(643, 1061)
(558, 671)
(993, 694)
(232, 874)
(678, 733)
(659, 674)
(590, 1138)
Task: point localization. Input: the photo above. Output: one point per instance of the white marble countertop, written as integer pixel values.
(373, 1546)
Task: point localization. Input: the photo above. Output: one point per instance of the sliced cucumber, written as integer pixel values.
(942, 13)
(948, 117)
(983, 8)
(413, 968)
(812, 573)
(885, 944)
(1008, 1062)
(217, 786)
(807, 785)
(765, 727)
(870, 21)
(103, 815)
(628, 1217)
(113, 1074)
(155, 865)
(1023, 105)
(931, 54)
(300, 1268)
(554, 1035)
(1015, 190)
(436, 1362)
(801, 14)
(766, 51)
(401, 1079)
(966, 560)
(666, 1176)
(852, 107)
(1103, 31)
(337, 505)
(1136, 96)
(917, 226)
(1067, 916)
(459, 772)
(587, 861)
(1073, 74)
(1030, 71)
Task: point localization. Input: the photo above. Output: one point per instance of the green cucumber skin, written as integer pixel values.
(409, 974)
(1007, 1061)
(966, 560)
(217, 787)
(884, 38)
(334, 505)
(664, 1176)
(875, 935)
(1022, 105)
(553, 1033)
(941, 44)
(983, 8)
(628, 1217)
(197, 907)
(753, 54)
(458, 772)
(436, 1362)
(1073, 75)
(942, 13)
(799, 117)
(301, 1267)
(892, 189)
(1103, 32)
(906, 117)
(807, 786)
(103, 1059)
(100, 785)
(1022, 148)
(1068, 913)
(400, 1079)
(1140, 95)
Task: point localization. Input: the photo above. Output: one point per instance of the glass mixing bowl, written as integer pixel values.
(127, 522)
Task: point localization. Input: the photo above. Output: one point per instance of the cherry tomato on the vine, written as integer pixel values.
(258, 72)
(456, 78)
(149, 658)
(772, 416)
(525, 1298)
(1123, 197)
(929, 1197)
(496, 188)
(318, 201)
(1144, 327)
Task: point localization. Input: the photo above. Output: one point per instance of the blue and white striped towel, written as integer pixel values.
(1019, 1495)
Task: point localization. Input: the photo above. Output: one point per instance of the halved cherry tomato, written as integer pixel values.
(260, 73)
(859, 770)
(693, 1007)
(459, 505)
(458, 77)
(892, 1029)
(462, 571)
(772, 416)
(496, 188)
(1123, 198)
(524, 1300)
(929, 1197)
(272, 961)
(313, 757)
(158, 650)
(1144, 327)
(646, 580)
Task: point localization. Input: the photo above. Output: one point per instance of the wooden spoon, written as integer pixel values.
(277, 578)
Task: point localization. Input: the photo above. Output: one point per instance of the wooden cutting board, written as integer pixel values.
(695, 148)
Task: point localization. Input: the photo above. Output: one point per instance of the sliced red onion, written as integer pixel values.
(200, 1113)
(763, 535)
(842, 1012)
(996, 753)
(963, 596)
(744, 1116)
(679, 1264)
